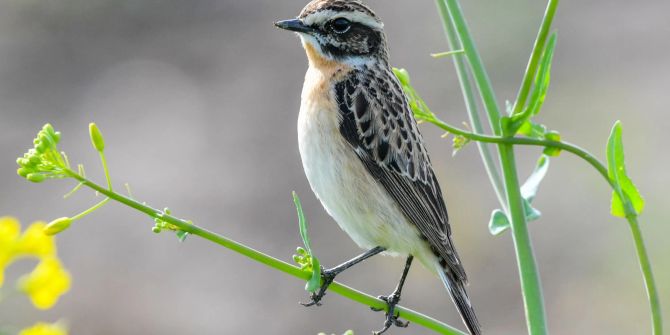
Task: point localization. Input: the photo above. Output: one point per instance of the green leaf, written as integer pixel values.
(402, 75)
(539, 94)
(182, 235)
(532, 214)
(418, 106)
(542, 78)
(532, 130)
(314, 282)
(498, 223)
(626, 199)
(532, 184)
(302, 221)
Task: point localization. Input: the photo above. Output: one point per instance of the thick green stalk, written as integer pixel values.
(343, 290)
(471, 107)
(528, 272)
(455, 18)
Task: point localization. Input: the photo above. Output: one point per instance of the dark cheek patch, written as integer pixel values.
(360, 40)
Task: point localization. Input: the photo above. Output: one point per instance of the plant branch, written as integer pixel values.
(454, 18)
(528, 272)
(565, 146)
(471, 106)
(270, 261)
(643, 257)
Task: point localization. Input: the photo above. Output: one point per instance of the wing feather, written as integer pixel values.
(377, 122)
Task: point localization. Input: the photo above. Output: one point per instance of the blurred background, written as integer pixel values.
(198, 102)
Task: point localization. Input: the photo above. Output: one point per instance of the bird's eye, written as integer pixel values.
(340, 25)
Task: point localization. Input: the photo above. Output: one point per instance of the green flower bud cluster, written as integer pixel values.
(303, 259)
(43, 161)
(164, 225)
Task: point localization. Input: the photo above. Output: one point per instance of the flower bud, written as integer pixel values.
(96, 137)
(402, 75)
(23, 172)
(49, 129)
(41, 147)
(56, 226)
(36, 177)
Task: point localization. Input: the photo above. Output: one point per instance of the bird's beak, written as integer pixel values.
(294, 25)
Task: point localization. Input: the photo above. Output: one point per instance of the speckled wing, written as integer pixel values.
(376, 120)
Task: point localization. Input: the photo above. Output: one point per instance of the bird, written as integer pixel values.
(364, 156)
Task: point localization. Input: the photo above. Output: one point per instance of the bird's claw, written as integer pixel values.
(391, 315)
(327, 277)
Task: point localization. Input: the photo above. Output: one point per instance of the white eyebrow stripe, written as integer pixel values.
(321, 17)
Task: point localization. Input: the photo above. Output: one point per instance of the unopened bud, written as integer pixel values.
(96, 137)
(36, 177)
(56, 226)
(402, 75)
(23, 172)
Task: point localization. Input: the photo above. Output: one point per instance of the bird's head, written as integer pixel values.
(344, 31)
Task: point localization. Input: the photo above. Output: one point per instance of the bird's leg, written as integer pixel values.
(328, 275)
(392, 301)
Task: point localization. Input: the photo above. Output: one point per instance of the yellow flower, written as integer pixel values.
(13, 245)
(9, 232)
(42, 328)
(35, 242)
(46, 283)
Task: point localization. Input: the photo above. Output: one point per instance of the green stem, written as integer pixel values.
(642, 255)
(471, 105)
(90, 210)
(650, 284)
(343, 290)
(535, 56)
(446, 54)
(103, 160)
(528, 272)
(574, 149)
(456, 18)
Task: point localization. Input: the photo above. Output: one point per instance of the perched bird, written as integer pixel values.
(363, 154)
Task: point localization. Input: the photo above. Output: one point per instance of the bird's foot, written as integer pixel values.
(327, 278)
(391, 315)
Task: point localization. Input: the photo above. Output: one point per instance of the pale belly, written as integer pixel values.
(360, 206)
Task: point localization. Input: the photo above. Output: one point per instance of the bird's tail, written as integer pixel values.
(460, 298)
